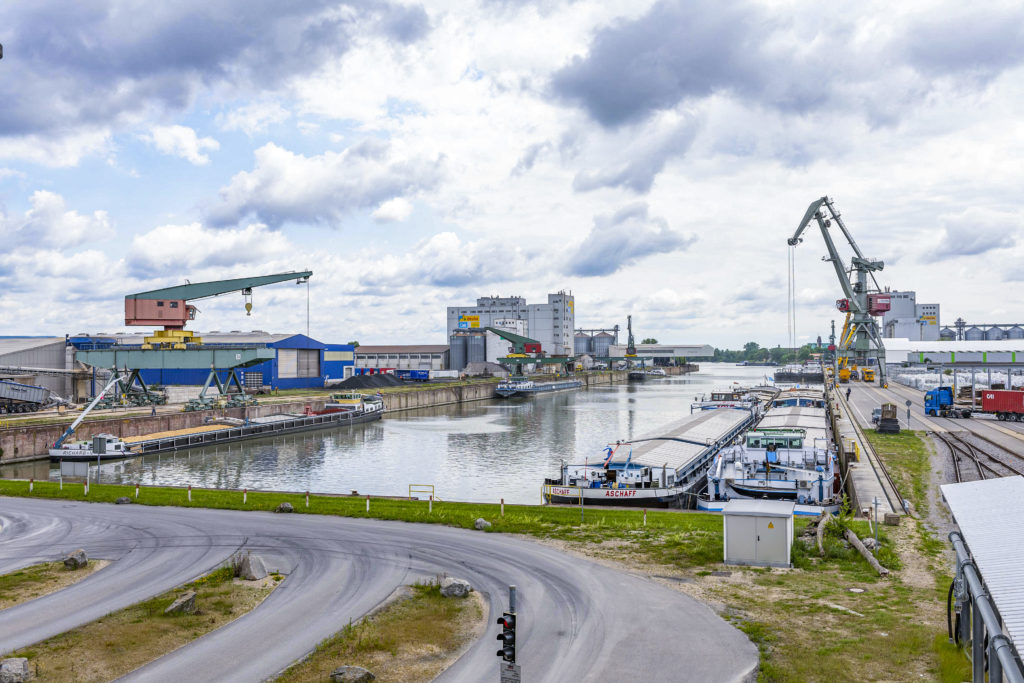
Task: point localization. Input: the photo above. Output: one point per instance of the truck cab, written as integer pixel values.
(939, 403)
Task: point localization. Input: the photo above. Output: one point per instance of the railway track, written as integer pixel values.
(960, 447)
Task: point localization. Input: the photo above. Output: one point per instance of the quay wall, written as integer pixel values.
(18, 444)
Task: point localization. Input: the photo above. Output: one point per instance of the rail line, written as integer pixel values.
(973, 452)
(957, 450)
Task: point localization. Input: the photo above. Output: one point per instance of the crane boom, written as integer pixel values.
(74, 425)
(862, 334)
(168, 306)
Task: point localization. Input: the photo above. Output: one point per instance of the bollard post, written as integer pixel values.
(430, 505)
(190, 493)
(60, 478)
(307, 498)
(645, 516)
(136, 490)
(502, 507)
(245, 495)
(31, 484)
(86, 490)
(367, 503)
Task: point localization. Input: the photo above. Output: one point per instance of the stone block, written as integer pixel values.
(252, 568)
(76, 559)
(480, 524)
(285, 507)
(184, 604)
(14, 670)
(455, 588)
(351, 674)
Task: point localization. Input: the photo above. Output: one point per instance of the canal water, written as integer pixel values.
(480, 451)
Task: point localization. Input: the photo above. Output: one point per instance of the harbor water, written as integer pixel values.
(480, 451)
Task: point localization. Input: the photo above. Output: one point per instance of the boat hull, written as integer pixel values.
(539, 389)
(229, 435)
(670, 497)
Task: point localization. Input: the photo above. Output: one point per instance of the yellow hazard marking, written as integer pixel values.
(771, 525)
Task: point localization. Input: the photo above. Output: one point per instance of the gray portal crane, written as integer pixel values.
(862, 302)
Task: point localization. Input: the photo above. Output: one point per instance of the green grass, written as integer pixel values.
(408, 640)
(906, 456)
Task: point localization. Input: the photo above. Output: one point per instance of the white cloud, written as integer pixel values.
(56, 151)
(174, 248)
(324, 188)
(49, 223)
(393, 210)
(253, 118)
(181, 141)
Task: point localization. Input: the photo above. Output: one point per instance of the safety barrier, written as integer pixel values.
(425, 489)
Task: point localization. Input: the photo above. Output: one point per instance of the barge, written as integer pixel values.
(342, 410)
(514, 387)
(789, 456)
(810, 373)
(664, 470)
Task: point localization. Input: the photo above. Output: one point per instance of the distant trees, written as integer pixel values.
(649, 340)
(755, 353)
(354, 343)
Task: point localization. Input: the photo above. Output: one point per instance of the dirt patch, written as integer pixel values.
(121, 642)
(42, 579)
(414, 636)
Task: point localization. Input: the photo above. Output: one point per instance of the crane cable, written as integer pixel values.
(791, 296)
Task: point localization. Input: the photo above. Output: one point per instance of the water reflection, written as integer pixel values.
(478, 451)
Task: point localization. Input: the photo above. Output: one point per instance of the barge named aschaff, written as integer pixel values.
(663, 470)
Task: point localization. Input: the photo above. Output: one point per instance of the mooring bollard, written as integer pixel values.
(190, 493)
(136, 490)
(31, 484)
(502, 507)
(245, 495)
(367, 503)
(645, 516)
(430, 505)
(307, 498)
(86, 490)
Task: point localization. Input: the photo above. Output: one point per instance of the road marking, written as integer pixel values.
(928, 424)
(1004, 430)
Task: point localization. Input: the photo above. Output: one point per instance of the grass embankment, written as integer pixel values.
(413, 639)
(41, 579)
(121, 642)
(807, 622)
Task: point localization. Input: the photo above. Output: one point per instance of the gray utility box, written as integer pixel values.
(758, 532)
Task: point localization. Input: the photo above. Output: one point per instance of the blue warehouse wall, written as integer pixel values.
(337, 357)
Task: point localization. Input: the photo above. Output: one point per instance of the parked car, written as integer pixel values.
(876, 415)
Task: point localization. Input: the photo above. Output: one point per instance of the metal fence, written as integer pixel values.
(976, 624)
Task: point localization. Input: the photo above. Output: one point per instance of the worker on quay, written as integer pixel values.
(847, 393)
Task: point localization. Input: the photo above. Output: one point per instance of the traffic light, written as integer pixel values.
(508, 637)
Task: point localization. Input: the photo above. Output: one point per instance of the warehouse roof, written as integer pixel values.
(216, 337)
(412, 348)
(899, 345)
(987, 513)
(18, 344)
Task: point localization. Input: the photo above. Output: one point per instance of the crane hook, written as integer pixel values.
(247, 293)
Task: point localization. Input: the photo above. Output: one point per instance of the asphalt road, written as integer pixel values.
(578, 620)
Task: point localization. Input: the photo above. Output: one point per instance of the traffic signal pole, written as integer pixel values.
(508, 670)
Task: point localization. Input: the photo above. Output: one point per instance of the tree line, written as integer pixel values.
(755, 353)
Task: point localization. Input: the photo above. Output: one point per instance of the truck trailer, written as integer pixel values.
(1006, 404)
(24, 398)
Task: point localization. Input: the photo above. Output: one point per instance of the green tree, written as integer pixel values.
(354, 343)
(649, 340)
(750, 350)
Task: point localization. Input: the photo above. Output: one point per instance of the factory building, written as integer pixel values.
(551, 324)
(415, 357)
(299, 362)
(19, 356)
(907, 319)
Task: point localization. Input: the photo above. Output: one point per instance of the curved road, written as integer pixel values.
(577, 620)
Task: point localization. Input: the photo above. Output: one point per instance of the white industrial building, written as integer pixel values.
(27, 360)
(551, 324)
(665, 350)
(907, 319)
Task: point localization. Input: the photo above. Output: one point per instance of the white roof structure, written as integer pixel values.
(19, 344)
(753, 507)
(811, 420)
(706, 427)
(897, 349)
(990, 514)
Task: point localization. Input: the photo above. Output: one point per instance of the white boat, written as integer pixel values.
(656, 372)
(788, 456)
(100, 447)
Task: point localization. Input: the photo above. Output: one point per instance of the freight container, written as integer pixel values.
(413, 375)
(1007, 405)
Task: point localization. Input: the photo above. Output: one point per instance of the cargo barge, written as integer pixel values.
(515, 387)
(811, 373)
(788, 456)
(665, 470)
(342, 411)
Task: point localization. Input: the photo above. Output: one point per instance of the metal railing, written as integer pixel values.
(425, 489)
(979, 623)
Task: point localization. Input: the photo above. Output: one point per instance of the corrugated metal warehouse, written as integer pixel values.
(300, 362)
(37, 352)
(422, 357)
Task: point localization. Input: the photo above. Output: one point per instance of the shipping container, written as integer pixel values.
(1003, 403)
(413, 375)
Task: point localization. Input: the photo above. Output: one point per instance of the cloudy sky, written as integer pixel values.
(650, 157)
